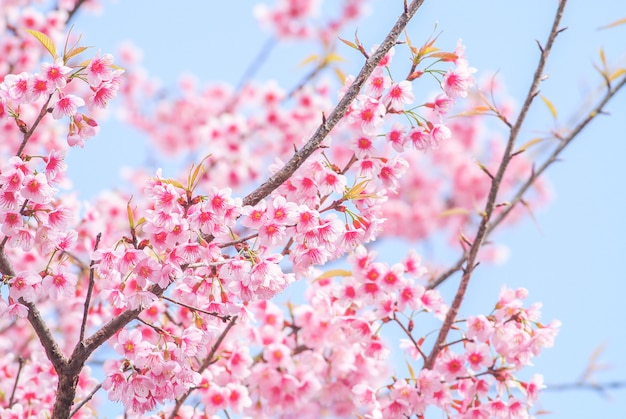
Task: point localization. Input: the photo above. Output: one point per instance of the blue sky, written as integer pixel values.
(571, 262)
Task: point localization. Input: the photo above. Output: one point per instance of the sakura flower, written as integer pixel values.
(38, 87)
(103, 94)
(100, 69)
(396, 138)
(36, 188)
(17, 86)
(369, 116)
(59, 282)
(66, 106)
(457, 82)
(55, 73)
(399, 94)
(419, 138)
(24, 285)
(131, 344)
(81, 128)
(439, 133)
(478, 356)
(377, 83)
(363, 146)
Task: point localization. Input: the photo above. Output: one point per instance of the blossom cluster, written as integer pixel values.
(194, 266)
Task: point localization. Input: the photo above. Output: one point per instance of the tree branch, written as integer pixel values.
(340, 110)
(565, 141)
(482, 231)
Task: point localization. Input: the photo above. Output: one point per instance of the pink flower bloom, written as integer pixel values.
(11, 179)
(441, 105)
(103, 94)
(377, 83)
(419, 138)
(281, 211)
(130, 344)
(81, 128)
(10, 222)
(216, 398)
(277, 355)
(478, 356)
(16, 310)
(66, 106)
(38, 87)
(451, 365)
(363, 146)
(396, 138)
(479, 327)
(22, 238)
(369, 116)
(458, 81)
(36, 188)
(100, 69)
(24, 285)
(55, 73)
(439, 133)
(17, 85)
(59, 283)
(399, 94)
(391, 172)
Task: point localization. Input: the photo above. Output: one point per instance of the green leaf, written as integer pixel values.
(45, 41)
(617, 73)
(173, 182)
(348, 43)
(550, 106)
(74, 52)
(129, 213)
(410, 368)
(614, 24)
(530, 144)
(356, 190)
(454, 211)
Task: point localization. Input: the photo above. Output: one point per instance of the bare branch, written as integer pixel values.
(482, 231)
(83, 324)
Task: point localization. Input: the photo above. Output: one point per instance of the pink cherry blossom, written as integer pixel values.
(66, 106)
(55, 73)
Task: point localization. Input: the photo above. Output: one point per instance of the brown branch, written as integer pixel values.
(83, 324)
(20, 361)
(564, 142)
(482, 231)
(599, 387)
(71, 13)
(207, 361)
(340, 110)
(53, 352)
(83, 402)
(29, 133)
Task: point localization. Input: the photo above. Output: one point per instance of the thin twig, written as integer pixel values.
(481, 233)
(83, 324)
(83, 402)
(71, 13)
(517, 198)
(20, 361)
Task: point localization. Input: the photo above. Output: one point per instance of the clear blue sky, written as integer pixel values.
(572, 263)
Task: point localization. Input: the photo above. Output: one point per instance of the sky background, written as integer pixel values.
(571, 261)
